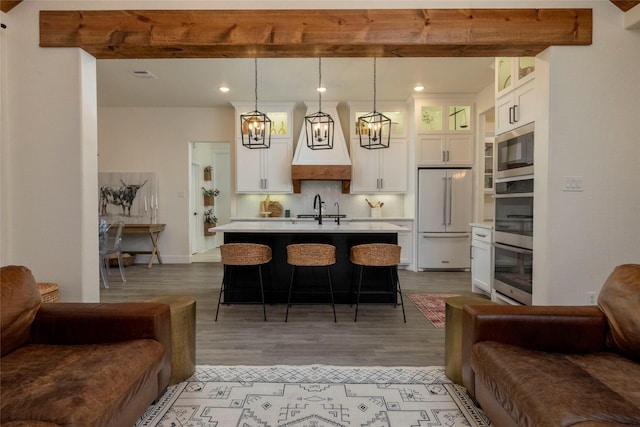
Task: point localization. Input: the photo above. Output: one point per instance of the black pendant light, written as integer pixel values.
(255, 127)
(374, 128)
(319, 126)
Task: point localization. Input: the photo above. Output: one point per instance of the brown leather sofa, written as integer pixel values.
(558, 366)
(78, 364)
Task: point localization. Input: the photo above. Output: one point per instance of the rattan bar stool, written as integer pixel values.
(243, 254)
(378, 255)
(311, 255)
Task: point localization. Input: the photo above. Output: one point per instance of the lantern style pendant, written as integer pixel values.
(319, 126)
(255, 127)
(374, 128)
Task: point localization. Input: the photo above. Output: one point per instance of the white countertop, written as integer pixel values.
(347, 219)
(301, 226)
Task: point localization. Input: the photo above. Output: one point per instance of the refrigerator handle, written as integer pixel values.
(444, 201)
(450, 197)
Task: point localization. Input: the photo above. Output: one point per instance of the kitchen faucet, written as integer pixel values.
(317, 204)
(337, 217)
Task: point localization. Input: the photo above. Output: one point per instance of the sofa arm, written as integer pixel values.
(562, 329)
(95, 323)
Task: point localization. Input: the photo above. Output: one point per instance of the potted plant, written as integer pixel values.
(210, 221)
(209, 195)
(207, 173)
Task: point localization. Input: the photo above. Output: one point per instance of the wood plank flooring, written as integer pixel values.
(242, 337)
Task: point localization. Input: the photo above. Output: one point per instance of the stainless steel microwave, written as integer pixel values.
(514, 155)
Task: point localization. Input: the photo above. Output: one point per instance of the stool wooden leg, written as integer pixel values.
(264, 308)
(293, 272)
(331, 291)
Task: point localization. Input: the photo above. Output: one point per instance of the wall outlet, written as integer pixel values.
(591, 298)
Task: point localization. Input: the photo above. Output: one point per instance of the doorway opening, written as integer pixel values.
(210, 171)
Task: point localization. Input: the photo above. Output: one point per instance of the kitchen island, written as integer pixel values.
(278, 235)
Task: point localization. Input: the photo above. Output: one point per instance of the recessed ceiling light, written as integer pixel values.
(224, 89)
(143, 74)
(418, 88)
(321, 89)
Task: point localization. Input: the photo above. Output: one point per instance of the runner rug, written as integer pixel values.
(316, 395)
(432, 306)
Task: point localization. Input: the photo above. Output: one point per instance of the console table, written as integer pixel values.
(153, 230)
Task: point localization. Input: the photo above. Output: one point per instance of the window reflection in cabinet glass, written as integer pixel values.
(526, 66)
(504, 73)
(279, 123)
(460, 117)
(431, 118)
(397, 121)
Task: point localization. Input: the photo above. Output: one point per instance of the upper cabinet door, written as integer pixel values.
(513, 72)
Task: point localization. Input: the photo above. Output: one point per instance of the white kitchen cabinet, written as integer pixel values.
(264, 170)
(481, 260)
(442, 149)
(511, 73)
(379, 171)
(516, 108)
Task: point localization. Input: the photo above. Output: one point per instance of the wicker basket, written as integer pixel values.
(49, 291)
(376, 254)
(127, 260)
(311, 254)
(245, 254)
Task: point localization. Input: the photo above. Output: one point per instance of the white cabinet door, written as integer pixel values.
(481, 260)
(449, 150)
(379, 171)
(264, 170)
(393, 167)
(431, 150)
(524, 99)
(365, 169)
(249, 175)
(277, 167)
(459, 150)
(516, 108)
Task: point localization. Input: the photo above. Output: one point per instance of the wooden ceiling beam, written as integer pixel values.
(7, 5)
(128, 34)
(625, 5)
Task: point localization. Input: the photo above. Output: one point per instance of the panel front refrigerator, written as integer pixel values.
(444, 216)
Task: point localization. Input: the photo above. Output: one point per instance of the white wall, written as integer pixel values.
(592, 97)
(158, 139)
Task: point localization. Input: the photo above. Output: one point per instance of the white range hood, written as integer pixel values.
(322, 165)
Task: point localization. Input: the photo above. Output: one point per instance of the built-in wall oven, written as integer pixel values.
(514, 155)
(513, 238)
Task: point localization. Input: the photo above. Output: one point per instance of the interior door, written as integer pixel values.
(194, 216)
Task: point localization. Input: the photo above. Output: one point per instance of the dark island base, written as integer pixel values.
(311, 285)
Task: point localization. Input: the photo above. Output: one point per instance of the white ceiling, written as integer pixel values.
(195, 82)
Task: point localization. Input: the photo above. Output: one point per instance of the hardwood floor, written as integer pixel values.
(242, 337)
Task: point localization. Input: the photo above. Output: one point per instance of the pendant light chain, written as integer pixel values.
(319, 85)
(374, 84)
(255, 68)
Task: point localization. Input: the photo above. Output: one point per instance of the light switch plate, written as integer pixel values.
(572, 183)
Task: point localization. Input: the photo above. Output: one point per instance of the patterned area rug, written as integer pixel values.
(432, 306)
(315, 396)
